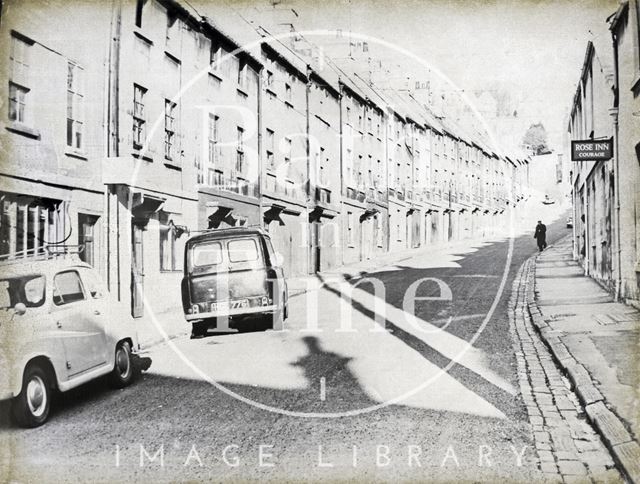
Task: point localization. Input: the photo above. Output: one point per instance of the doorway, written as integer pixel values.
(137, 270)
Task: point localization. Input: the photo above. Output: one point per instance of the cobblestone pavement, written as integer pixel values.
(568, 448)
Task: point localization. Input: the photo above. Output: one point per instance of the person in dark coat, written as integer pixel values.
(541, 235)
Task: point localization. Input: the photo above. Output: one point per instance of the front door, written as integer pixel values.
(137, 271)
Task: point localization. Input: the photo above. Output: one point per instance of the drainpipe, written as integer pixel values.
(618, 290)
(260, 151)
(341, 135)
(587, 222)
(614, 113)
(112, 133)
(386, 177)
(309, 190)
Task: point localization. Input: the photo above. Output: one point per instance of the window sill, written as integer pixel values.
(288, 104)
(81, 155)
(172, 164)
(137, 153)
(323, 121)
(216, 75)
(271, 91)
(173, 57)
(23, 129)
(242, 92)
(138, 33)
(171, 271)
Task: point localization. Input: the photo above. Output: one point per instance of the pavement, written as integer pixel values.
(568, 448)
(594, 341)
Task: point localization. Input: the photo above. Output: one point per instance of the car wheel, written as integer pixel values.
(122, 373)
(31, 407)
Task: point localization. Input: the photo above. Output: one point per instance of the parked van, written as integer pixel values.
(232, 274)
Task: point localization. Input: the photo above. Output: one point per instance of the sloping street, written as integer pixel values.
(322, 399)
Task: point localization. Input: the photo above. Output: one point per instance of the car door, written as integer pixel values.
(82, 332)
(97, 295)
(275, 274)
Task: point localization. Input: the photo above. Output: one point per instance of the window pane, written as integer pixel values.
(165, 242)
(13, 110)
(207, 254)
(67, 288)
(86, 225)
(28, 290)
(69, 132)
(242, 250)
(78, 134)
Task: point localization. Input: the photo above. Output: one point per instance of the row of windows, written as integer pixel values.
(20, 92)
(140, 122)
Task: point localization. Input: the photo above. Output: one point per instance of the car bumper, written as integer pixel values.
(231, 312)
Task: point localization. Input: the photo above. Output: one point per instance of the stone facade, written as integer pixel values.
(149, 123)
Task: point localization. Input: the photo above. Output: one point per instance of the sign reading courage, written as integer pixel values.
(590, 150)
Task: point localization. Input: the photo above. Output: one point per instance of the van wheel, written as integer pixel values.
(31, 407)
(199, 329)
(122, 373)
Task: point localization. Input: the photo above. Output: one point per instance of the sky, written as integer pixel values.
(534, 49)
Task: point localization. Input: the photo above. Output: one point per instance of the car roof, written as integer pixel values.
(20, 267)
(226, 233)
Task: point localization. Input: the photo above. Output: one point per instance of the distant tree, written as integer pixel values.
(536, 138)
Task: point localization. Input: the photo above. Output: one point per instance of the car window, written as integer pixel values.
(28, 290)
(207, 254)
(242, 250)
(67, 288)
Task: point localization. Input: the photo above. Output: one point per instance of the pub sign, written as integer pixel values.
(591, 150)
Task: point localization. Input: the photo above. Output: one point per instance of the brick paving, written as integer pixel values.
(568, 448)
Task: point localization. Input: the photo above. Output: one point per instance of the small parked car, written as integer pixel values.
(59, 328)
(232, 274)
(569, 222)
(548, 200)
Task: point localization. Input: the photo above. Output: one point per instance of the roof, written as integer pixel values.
(272, 49)
(226, 232)
(618, 15)
(233, 30)
(325, 82)
(597, 51)
(37, 265)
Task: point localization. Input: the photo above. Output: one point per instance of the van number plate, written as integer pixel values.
(225, 305)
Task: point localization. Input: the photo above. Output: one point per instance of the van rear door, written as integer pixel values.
(230, 270)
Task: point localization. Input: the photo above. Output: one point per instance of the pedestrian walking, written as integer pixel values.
(541, 235)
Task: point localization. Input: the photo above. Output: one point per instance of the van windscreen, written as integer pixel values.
(242, 250)
(207, 254)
